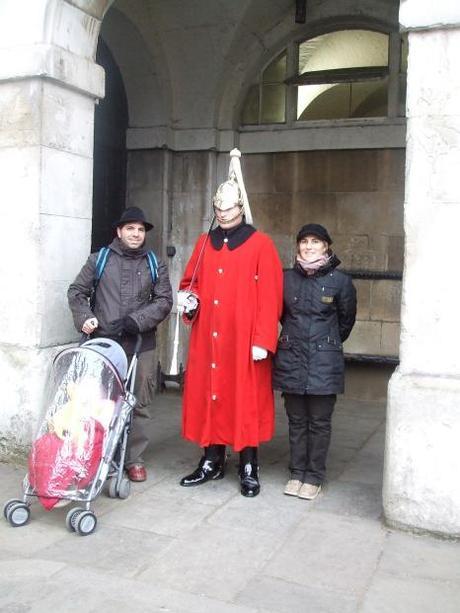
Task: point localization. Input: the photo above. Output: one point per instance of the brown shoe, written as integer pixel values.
(137, 472)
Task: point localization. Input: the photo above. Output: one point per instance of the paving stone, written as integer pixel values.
(175, 455)
(74, 589)
(162, 515)
(28, 569)
(352, 432)
(366, 468)
(363, 424)
(360, 408)
(390, 594)
(376, 443)
(347, 548)
(214, 493)
(212, 560)
(348, 499)
(270, 512)
(410, 555)
(285, 597)
(169, 548)
(27, 539)
(114, 550)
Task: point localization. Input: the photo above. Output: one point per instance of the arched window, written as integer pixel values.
(266, 100)
(352, 73)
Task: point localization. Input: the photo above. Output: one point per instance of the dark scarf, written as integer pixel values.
(122, 249)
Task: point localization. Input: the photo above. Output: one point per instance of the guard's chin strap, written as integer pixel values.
(227, 221)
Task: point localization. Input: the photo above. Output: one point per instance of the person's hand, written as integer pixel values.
(130, 325)
(90, 325)
(258, 353)
(187, 302)
(116, 327)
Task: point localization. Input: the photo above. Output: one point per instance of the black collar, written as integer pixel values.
(234, 237)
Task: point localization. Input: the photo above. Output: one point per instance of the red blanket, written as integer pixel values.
(59, 466)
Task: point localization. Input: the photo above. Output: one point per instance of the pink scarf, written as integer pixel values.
(311, 267)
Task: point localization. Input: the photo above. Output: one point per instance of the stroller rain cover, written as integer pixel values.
(84, 393)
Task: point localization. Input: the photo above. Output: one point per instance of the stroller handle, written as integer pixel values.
(138, 345)
(131, 375)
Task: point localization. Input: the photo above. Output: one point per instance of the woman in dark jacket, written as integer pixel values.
(318, 314)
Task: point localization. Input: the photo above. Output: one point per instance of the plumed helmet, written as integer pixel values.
(227, 195)
(233, 191)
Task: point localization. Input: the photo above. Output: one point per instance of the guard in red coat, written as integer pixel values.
(231, 293)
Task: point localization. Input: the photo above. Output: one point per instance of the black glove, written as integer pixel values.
(116, 327)
(130, 326)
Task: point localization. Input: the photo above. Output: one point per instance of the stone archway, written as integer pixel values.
(48, 86)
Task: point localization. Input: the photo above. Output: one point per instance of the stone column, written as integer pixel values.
(422, 462)
(48, 87)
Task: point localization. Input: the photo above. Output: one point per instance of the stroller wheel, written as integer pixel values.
(123, 491)
(86, 523)
(125, 488)
(18, 514)
(112, 491)
(71, 518)
(9, 505)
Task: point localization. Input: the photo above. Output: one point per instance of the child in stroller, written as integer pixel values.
(81, 441)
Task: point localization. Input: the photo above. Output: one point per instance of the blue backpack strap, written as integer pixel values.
(101, 261)
(153, 265)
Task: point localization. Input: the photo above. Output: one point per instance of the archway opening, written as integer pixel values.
(110, 155)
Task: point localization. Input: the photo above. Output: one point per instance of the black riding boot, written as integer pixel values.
(210, 467)
(249, 472)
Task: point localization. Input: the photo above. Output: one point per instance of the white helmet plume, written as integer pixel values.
(234, 172)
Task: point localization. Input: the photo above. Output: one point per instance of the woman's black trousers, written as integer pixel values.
(309, 435)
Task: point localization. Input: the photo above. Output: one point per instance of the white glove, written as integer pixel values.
(187, 302)
(258, 353)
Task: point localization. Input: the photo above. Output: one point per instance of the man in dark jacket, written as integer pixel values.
(127, 302)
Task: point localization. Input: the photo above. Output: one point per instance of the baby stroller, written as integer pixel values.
(81, 440)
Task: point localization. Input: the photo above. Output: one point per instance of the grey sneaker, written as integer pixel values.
(292, 487)
(309, 491)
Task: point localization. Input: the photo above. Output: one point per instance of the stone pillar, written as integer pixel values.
(48, 87)
(422, 462)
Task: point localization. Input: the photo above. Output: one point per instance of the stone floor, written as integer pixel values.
(168, 548)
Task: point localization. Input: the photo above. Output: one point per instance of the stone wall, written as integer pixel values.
(422, 462)
(358, 195)
(48, 87)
